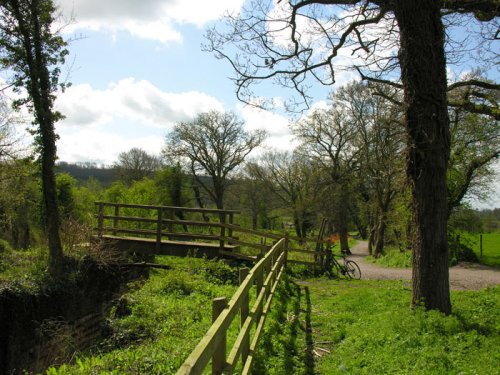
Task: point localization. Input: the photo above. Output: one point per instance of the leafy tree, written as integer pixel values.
(136, 164)
(304, 38)
(212, 145)
(33, 52)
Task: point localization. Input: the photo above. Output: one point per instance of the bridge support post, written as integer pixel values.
(159, 224)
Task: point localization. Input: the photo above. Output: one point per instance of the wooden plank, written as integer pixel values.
(166, 242)
(258, 330)
(130, 218)
(193, 222)
(175, 208)
(293, 261)
(237, 228)
(310, 252)
(130, 231)
(248, 244)
(238, 255)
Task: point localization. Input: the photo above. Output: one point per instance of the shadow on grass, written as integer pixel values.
(286, 346)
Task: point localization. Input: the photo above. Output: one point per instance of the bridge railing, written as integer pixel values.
(160, 221)
(264, 277)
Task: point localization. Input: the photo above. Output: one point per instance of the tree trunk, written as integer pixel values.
(42, 97)
(423, 73)
(379, 237)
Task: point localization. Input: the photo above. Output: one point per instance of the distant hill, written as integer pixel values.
(83, 171)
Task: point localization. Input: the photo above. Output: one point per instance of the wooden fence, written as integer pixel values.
(264, 276)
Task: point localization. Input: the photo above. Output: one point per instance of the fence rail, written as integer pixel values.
(264, 276)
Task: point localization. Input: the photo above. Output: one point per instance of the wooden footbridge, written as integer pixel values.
(182, 231)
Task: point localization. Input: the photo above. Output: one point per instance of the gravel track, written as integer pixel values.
(464, 276)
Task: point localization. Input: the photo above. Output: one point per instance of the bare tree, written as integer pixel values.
(304, 38)
(212, 147)
(289, 176)
(135, 164)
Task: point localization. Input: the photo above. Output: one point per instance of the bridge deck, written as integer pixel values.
(176, 248)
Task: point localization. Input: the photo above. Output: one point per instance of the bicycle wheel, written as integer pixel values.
(352, 269)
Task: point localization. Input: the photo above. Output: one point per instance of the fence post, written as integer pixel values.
(170, 224)
(159, 224)
(222, 218)
(219, 356)
(115, 220)
(100, 219)
(245, 345)
(230, 230)
(287, 241)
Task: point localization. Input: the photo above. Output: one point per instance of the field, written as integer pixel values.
(491, 247)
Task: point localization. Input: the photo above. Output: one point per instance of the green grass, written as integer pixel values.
(361, 327)
(491, 247)
(393, 258)
(158, 323)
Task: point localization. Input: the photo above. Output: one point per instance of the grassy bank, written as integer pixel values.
(339, 327)
(155, 326)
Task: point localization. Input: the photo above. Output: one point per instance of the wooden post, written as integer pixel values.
(230, 230)
(159, 224)
(100, 219)
(222, 218)
(115, 220)
(287, 244)
(170, 224)
(219, 356)
(481, 246)
(245, 345)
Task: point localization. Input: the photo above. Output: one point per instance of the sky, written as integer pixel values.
(137, 68)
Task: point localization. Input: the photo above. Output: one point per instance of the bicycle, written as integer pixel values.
(349, 268)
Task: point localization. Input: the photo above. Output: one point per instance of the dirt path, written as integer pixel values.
(463, 276)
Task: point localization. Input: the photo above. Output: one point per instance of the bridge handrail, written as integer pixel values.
(169, 208)
(213, 344)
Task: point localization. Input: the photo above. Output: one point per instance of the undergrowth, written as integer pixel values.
(154, 327)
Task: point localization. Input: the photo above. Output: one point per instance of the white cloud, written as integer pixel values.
(150, 19)
(277, 127)
(99, 124)
(139, 101)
